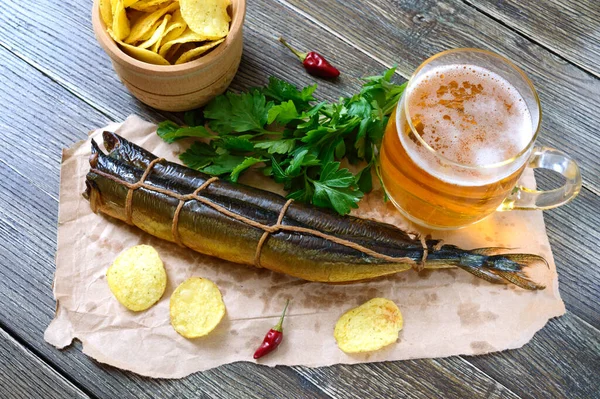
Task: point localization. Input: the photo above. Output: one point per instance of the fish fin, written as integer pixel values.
(526, 259)
(520, 279)
(507, 267)
(489, 250)
(485, 274)
(511, 268)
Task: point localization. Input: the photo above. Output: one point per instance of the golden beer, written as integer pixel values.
(456, 145)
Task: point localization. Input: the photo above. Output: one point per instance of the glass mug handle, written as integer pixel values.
(522, 198)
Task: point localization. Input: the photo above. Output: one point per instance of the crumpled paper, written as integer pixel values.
(447, 312)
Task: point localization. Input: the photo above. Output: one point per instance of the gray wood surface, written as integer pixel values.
(56, 84)
(549, 365)
(30, 240)
(570, 29)
(28, 288)
(571, 114)
(23, 375)
(406, 32)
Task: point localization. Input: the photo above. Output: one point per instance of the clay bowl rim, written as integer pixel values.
(119, 56)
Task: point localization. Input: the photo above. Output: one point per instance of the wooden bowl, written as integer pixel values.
(178, 87)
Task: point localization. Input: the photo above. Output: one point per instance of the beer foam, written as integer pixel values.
(469, 115)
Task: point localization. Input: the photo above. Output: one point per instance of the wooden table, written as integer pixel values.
(57, 84)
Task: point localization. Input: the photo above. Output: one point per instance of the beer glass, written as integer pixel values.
(460, 138)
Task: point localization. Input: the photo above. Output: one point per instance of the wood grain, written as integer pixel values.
(29, 176)
(63, 47)
(23, 375)
(30, 226)
(30, 244)
(406, 379)
(570, 29)
(561, 361)
(55, 84)
(26, 304)
(573, 231)
(406, 32)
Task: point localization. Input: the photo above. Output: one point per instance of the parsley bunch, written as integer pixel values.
(296, 140)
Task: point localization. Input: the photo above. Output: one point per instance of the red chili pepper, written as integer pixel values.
(273, 337)
(314, 63)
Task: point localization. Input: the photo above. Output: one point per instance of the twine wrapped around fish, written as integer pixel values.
(256, 227)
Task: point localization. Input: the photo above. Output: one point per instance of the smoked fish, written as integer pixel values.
(247, 225)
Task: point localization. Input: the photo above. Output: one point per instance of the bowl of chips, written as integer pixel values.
(173, 55)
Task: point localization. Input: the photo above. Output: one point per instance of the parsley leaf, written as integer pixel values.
(246, 163)
(299, 141)
(222, 164)
(198, 155)
(170, 131)
(365, 180)
(334, 189)
(237, 143)
(281, 91)
(282, 113)
(282, 146)
(238, 112)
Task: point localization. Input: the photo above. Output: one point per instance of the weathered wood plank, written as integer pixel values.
(263, 20)
(573, 231)
(23, 375)
(571, 29)
(62, 46)
(29, 176)
(381, 380)
(29, 243)
(30, 228)
(561, 361)
(406, 32)
(32, 130)
(26, 304)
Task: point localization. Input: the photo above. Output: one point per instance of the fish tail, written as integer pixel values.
(502, 268)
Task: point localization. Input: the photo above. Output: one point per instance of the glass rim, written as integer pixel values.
(439, 155)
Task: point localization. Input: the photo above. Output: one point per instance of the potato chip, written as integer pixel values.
(144, 55)
(175, 28)
(120, 25)
(142, 29)
(129, 3)
(140, 53)
(197, 52)
(196, 307)
(186, 37)
(106, 12)
(368, 327)
(172, 32)
(156, 46)
(208, 18)
(137, 278)
(158, 33)
(150, 31)
(134, 16)
(176, 51)
(149, 5)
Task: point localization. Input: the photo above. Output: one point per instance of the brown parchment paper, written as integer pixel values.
(445, 312)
